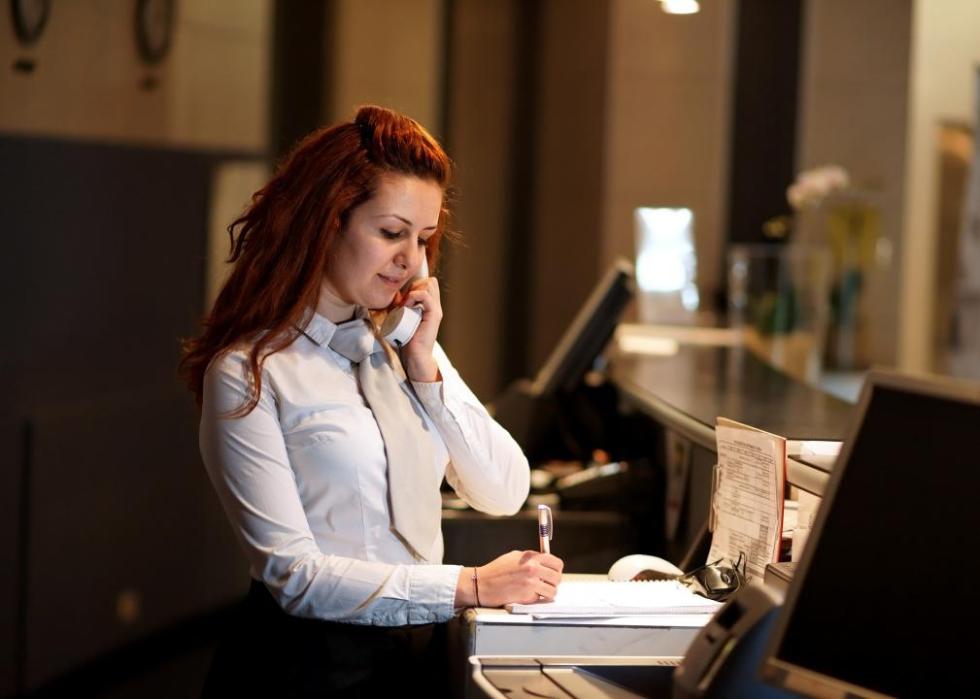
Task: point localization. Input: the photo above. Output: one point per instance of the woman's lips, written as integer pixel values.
(391, 281)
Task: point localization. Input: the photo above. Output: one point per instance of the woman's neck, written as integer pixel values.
(332, 307)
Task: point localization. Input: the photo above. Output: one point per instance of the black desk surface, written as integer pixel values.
(690, 389)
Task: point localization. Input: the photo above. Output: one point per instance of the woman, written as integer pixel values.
(327, 449)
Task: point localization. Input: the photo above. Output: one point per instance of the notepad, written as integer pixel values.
(609, 599)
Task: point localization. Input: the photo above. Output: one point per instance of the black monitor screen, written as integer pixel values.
(589, 332)
(887, 598)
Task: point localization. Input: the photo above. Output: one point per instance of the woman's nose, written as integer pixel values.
(411, 254)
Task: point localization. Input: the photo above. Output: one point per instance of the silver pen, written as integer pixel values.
(546, 528)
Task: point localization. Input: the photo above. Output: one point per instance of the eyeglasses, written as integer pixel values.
(717, 580)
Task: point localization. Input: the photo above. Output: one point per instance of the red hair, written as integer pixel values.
(281, 244)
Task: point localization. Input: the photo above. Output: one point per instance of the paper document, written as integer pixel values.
(747, 502)
(607, 599)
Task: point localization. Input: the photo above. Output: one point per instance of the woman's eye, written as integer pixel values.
(423, 243)
(390, 235)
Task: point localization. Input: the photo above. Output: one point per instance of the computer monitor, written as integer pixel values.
(532, 410)
(588, 333)
(884, 600)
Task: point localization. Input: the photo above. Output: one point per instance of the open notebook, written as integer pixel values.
(608, 599)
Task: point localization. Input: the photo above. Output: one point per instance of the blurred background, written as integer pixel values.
(133, 131)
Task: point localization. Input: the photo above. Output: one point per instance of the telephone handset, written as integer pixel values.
(402, 322)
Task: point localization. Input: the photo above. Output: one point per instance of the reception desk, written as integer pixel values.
(686, 378)
(687, 385)
(495, 632)
(683, 386)
(690, 387)
(482, 633)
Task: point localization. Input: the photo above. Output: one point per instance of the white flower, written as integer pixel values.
(812, 186)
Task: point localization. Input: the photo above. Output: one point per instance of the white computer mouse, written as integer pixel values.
(639, 566)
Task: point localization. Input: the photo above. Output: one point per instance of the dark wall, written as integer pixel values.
(301, 36)
(566, 188)
(764, 108)
(525, 120)
(104, 498)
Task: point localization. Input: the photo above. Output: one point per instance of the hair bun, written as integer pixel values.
(398, 141)
(371, 114)
(376, 122)
(365, 118)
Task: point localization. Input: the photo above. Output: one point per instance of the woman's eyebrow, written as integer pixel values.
(405, 221)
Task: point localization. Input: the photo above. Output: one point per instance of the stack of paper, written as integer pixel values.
(746, 515)
(607, 599)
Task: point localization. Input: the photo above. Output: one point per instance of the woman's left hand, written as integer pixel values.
(417, 357)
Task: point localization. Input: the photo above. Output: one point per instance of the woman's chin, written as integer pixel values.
(379, 303)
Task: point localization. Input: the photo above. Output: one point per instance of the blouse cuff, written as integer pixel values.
(430, 394)
(432, 591)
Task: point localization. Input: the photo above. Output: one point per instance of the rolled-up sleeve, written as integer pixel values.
(487, 468)
(247, 461)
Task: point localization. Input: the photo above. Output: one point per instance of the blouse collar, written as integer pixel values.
(320, 330)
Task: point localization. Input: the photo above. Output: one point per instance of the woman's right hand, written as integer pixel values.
(519, 576)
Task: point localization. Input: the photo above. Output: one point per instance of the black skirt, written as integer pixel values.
(266, 652)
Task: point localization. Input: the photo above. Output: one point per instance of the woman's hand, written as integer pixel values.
(417, 357)
(519, 576)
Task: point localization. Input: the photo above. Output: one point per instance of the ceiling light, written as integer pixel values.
(680, 7)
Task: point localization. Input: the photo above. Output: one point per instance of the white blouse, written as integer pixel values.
(303, 480)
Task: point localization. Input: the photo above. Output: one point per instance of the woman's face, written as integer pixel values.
(383, 244)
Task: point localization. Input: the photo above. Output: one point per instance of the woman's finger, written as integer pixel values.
(545, 591)
(429, 284)
(550, 576)
(420, 297)
(550, 561)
